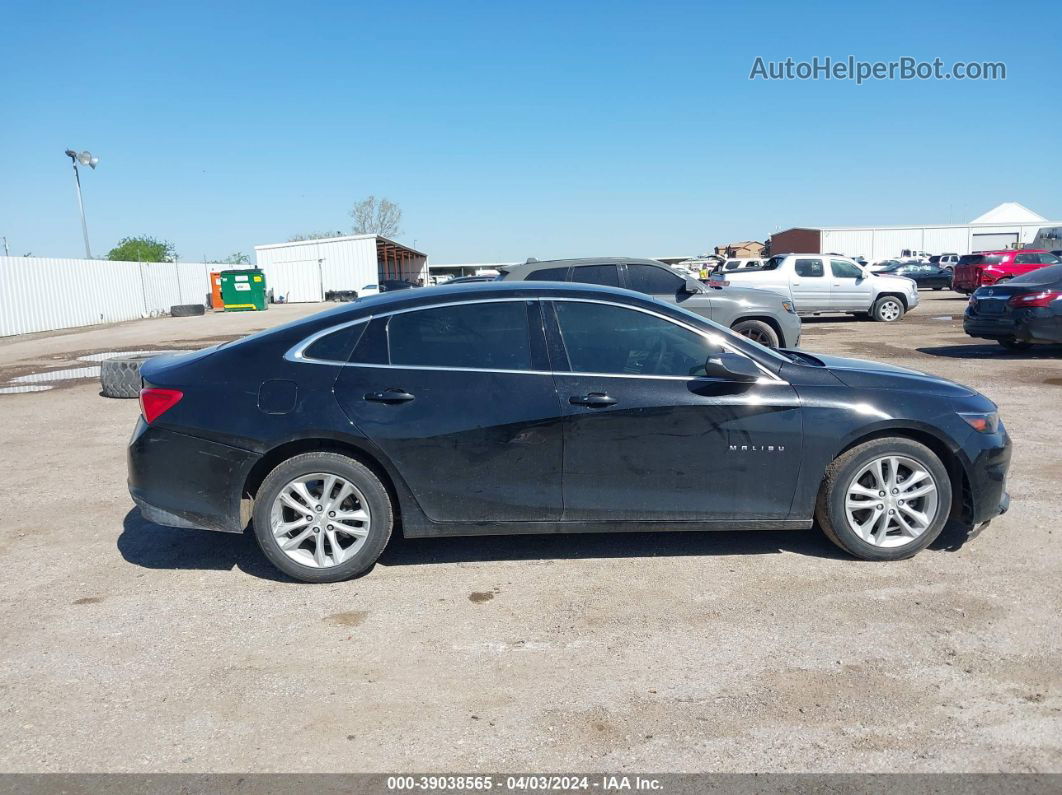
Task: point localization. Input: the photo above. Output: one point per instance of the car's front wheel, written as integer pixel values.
(757, 331)
(886, 499)
(322, 517)
(887, 309)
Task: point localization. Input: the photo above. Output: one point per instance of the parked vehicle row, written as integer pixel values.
(525, 407)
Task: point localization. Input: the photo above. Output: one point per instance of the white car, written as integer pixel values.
(369, 289)
(818, 283)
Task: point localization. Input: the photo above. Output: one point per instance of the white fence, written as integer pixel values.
(43, 294)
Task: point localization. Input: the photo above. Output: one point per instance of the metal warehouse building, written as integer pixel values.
(1007, 226)
(306, 269)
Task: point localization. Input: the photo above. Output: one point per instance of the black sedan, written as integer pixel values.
(925, 276)
(1025, 310)
(535, 407)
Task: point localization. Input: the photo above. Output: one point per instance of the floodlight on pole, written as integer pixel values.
(85, 158)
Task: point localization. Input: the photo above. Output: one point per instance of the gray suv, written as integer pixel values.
(759, 315)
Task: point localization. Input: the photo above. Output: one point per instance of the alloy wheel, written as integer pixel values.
(320, 520)
(890, 310)
(891, 501)
(757, 336)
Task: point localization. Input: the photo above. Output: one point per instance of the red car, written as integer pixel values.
(992, 267)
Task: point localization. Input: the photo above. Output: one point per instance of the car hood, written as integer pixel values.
(750, 296)
(863, 374)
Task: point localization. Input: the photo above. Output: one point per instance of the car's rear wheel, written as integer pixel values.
(1012, 344)
(322, 517)
(757, 331)
(886, 499)
(887, 309)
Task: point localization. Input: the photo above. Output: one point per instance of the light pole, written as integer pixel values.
(86, 159)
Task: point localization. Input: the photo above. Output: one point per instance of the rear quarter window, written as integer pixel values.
(335, 346)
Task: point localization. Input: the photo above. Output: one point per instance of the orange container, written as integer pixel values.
(215, 292)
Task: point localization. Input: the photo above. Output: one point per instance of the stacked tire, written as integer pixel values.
(120, 377)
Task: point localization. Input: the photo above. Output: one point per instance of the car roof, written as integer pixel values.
(526, 267)
(386, 302)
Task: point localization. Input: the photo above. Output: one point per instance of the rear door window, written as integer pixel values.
(548, 275)
(488, 335)
(844, 270)
(809, 267)
(596, 274)
(652, 280)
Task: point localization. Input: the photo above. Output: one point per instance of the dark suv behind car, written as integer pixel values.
(760, 315)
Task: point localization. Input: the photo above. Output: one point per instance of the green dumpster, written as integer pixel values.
(243, 290)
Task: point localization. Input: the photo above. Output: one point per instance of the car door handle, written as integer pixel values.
(390, 396)
(594, 400)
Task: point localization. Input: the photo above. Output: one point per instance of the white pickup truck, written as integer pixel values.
(818, 283)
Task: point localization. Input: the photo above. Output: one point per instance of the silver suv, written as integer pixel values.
(757, 314)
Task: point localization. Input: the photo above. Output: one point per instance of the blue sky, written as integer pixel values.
(508, 130)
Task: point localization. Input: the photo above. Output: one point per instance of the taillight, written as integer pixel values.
(155, 402)
(1031, 300)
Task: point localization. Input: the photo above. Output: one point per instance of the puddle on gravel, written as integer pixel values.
(1053, 381)
(38, 382)
(12, 390)
(57, 375)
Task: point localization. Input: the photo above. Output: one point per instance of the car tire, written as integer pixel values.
(757, 331)
(187, 310)
(845, 474)
(887, 309)
(369, 496)
(1012, 344)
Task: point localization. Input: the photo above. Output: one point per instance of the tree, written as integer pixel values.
(236, 258)
(376, 218)
(313, 236)
(143, 249)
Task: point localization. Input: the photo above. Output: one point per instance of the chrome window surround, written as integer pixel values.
(297, 353)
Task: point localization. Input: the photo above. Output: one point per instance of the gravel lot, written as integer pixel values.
(125, 646)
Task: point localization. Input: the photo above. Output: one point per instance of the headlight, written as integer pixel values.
(788, 306)
(984, 422)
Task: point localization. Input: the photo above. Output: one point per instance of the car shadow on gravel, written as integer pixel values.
(992, 351)
(153, 546)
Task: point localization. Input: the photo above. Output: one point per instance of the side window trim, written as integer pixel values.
(558, 359)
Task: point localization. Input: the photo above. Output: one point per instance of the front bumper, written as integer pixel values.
(184, 481)
(989, 455)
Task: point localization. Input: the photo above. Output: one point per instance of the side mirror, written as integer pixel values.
(692, 286)
(732, 367)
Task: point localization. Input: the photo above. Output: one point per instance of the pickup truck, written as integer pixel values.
(818, 283)
(992, 267)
